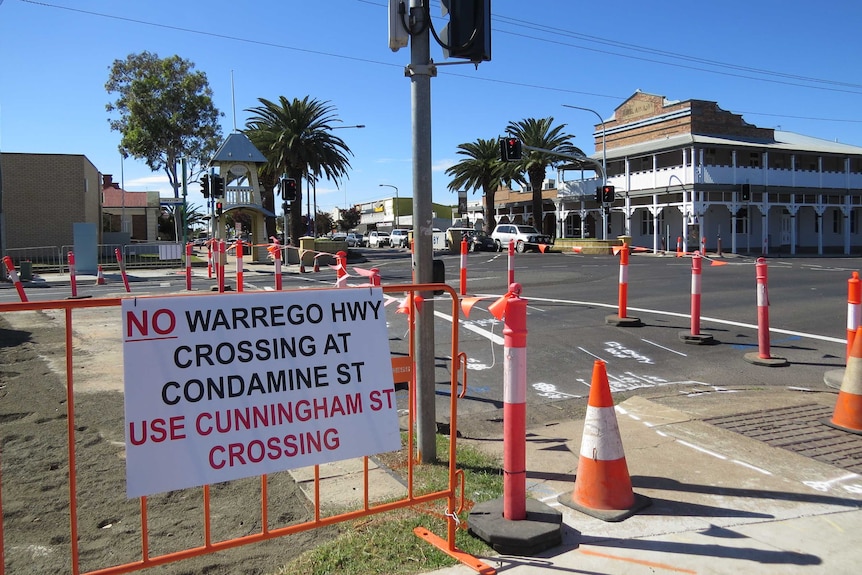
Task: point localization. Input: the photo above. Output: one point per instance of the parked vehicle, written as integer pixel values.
(399, 238)
(525, 237)
(378, 239)
(477, 240)
(355, 240)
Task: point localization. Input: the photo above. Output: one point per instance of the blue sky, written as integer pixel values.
(782, 63)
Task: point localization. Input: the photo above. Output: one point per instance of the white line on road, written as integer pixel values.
(663, 347)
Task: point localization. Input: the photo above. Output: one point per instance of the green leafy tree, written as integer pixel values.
(323, 223)
(296, 139)
(349, 219)
(164, 112)
(482, 169)
(541, 133)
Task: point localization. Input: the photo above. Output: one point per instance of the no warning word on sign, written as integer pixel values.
(229, 386)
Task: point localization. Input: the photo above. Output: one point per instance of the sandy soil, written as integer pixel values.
(35, 469)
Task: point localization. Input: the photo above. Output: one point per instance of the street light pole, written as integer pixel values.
(604, 165)
(315, 179)
(395, 208)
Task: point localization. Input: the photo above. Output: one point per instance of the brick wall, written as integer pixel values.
(44, 194)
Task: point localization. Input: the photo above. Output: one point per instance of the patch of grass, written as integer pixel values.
(385, 543)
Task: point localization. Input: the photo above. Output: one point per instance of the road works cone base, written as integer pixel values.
(754, 357)
(623, 321)
(541, 530)
(834, 425)
(696, 339)
(610, 515)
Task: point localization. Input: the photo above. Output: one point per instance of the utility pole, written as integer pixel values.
(420, 71)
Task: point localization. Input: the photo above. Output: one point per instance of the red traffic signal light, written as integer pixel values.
(288, 189)
(608, 194)
(510, 149)
(219, 208)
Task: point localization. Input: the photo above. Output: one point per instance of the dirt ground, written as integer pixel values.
(35, 469)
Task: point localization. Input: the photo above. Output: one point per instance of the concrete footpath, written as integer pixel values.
(721, 502)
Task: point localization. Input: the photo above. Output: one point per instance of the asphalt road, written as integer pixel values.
(570, 295)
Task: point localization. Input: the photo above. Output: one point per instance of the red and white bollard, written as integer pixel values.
(703, 245)
(13, 275)
(239, 270)
(621, 319)
(118, 254)
(463, 266)
(222, 257)
(209, 260)
(854, 309)
(72, 273)
(695, 336)
(189, 267)
(679, 246)
(341, 269)
(763, 355)
(696, 270)
(100, 277)
(623, 293)
(762, 309)
(515, 407)
(511, 263)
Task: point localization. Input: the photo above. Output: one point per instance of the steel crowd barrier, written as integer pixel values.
(85, 536)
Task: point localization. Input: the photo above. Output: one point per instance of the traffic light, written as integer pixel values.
(205, 185)
(510, 149)
(599, 195)
(288, 189)
(217, 186)
(219, 208)
(746, 192)
(468, 33)
(608, 194)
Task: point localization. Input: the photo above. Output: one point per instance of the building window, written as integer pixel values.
(648, 222)
(837, 222)
(754, 160)
(854, 221)
(742, 221)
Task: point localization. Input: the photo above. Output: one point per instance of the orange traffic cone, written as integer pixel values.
(603, 487)
(100, 278)
(848, 409)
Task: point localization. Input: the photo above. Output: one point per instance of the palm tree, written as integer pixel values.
(541, 133)
(482, 169)
(294, 136)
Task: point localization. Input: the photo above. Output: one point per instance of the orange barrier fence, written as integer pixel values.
(94, 546)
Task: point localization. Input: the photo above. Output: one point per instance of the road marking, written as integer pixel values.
(683, 315)
(663, 347)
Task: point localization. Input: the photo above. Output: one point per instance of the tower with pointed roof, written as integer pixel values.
(237, 161)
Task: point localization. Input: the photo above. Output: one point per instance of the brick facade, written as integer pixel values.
(648, 117)
(44, 194)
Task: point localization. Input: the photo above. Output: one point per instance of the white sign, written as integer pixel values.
(229, 386)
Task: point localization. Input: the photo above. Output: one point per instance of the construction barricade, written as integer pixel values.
(142, 529)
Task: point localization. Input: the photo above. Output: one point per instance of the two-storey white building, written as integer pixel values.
(690, 172)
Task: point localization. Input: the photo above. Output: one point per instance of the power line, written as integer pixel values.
(521, 23)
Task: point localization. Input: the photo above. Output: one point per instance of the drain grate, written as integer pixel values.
(799, 429)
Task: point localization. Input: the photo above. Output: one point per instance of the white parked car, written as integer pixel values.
(399, 238)
(378, 239)
(525, 237)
